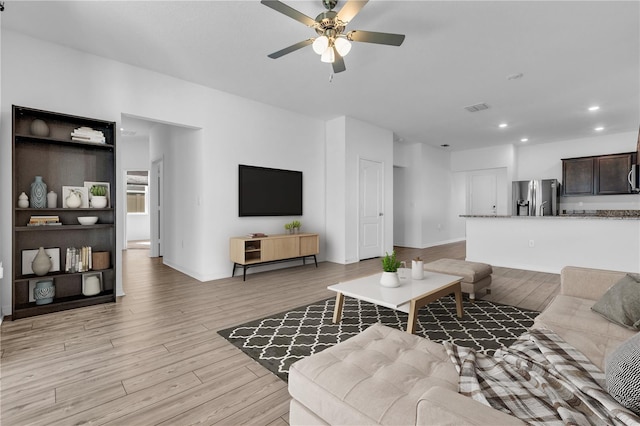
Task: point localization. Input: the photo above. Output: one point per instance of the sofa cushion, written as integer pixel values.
(622, 373)
(621, 303)
(377, 376)
(573, 320)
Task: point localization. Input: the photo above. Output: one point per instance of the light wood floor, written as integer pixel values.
(155, 357)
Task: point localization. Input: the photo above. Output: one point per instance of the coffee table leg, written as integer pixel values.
(458, 293)
(337, 311)
(413, 317)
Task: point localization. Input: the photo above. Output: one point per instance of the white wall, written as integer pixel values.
(335, 189)
(424, 197)
(347, 141)
(235, 130)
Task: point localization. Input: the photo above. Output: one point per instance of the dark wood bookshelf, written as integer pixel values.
(61, 161)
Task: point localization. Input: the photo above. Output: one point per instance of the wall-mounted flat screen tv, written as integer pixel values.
(269, 192)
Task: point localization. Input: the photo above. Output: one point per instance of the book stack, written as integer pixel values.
(44, 220)
(78, 260)
(87, 134)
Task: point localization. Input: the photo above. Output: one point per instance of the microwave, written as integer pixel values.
(634, 178)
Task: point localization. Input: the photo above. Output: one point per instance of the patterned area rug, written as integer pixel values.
(280, 340)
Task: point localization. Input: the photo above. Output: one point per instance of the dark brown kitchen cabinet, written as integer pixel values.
(597, 175)
(578, 176)
(611, 174)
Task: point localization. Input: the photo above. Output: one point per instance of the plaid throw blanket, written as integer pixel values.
(541, 380)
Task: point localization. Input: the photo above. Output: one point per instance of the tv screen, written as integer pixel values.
(269, 192)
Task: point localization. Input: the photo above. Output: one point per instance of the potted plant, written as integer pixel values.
(390, 265)
(288, 227)
(98, 196)
(295, 225)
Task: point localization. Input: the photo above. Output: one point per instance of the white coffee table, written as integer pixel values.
(409, 297)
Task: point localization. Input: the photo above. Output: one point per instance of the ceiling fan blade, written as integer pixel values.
(338, 63)
(292, 48)
(374, 37)
(350, 10)
(290, 12)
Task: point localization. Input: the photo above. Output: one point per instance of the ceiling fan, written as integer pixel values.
(332, 42)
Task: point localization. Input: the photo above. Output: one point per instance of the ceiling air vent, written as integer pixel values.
(477, 107)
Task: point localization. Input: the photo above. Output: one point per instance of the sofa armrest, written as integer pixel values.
(587, 283)
(440, 406)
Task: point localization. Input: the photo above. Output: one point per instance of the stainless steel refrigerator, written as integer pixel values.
(536, 197)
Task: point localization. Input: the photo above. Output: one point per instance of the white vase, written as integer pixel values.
(98, 201)
(23, 201)
(52, 200)
(417, 269)
(91, 286)
(390, 279)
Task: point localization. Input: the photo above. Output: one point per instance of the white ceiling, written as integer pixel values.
(573, 54)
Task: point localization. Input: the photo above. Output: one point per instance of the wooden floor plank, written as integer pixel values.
(156, 357)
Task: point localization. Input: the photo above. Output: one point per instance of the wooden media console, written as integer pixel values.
(248, 251)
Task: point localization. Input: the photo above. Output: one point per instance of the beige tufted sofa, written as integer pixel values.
(386, 376)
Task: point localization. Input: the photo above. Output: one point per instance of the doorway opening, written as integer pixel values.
(138, 235)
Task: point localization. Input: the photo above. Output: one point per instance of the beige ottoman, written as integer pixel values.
(376, 377)
(476, 276)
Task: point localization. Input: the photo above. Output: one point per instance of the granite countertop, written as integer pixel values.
(576, 214)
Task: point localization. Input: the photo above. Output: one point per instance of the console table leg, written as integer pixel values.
(234, 269)
(244, 273)
(315, 260)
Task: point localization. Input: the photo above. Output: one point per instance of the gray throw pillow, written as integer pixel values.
(622, 373)
(621, 303)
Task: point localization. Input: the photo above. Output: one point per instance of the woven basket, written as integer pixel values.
(100, 260)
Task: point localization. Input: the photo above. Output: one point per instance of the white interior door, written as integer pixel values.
(371, 214)
(156, 190)
(483, 192)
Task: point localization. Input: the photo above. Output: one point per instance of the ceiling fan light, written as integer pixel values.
(320, 44)
(328, 55)
(343, 46)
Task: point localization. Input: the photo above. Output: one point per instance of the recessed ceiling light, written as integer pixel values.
(524, 140)
(502, 125)
(594, 108)
(599, 129)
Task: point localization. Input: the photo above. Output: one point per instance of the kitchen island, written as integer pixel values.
(605, 240)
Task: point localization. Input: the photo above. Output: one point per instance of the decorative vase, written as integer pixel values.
(38, 193)
(98, 201)
(390, 279)
(39, 128)
(52, 200)
(44, 292)
(91, 286)
(23, 201)
(41, 264)
(73, 200)
(417, 269)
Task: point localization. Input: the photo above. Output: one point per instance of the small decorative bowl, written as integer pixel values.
(88, 220)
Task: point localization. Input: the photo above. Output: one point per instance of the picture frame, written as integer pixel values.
(88, 185)
(88, 290)
(28, 255)
(84, 195)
